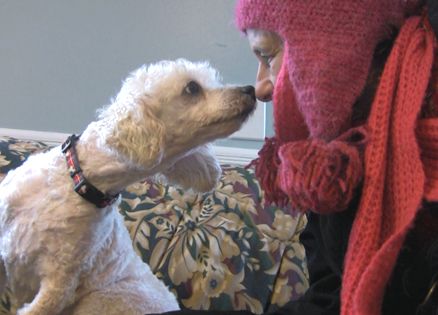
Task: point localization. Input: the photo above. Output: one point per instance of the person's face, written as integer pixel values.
(268, 48)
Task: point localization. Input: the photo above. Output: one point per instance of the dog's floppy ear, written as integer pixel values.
(199, 170)
(139, 140)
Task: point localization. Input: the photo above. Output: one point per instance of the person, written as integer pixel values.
(353, 84)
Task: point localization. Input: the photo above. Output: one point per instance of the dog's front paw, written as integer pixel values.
(25, 310)
(200, 171)
(207, 179)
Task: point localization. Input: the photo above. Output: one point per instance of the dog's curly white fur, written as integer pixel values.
(62, 255)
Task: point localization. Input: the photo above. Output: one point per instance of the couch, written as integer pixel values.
(220, 250)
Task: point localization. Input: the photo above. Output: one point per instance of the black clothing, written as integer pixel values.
(432, 6)
(416, 271)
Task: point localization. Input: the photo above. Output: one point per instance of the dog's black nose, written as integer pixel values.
(249, 89)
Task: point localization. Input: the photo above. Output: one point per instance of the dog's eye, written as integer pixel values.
(192, 88)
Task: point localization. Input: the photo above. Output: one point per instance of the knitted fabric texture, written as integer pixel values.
(328, 50)
(318, 175)
(427, 134)
(395, 181)
(324, 70)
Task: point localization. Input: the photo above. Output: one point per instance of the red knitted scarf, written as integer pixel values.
(395, 182)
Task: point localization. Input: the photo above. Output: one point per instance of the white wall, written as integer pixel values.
(61, 60)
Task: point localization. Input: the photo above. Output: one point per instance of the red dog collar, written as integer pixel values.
(81, 185)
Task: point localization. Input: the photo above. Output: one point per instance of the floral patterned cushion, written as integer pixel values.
(221, 250)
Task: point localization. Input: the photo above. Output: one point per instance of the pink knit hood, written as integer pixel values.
(329, 45)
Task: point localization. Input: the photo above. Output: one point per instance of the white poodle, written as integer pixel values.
(64, 248)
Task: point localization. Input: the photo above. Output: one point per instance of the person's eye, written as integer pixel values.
(192, 88)
(267, 59)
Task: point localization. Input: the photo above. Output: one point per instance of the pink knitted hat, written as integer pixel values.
(329, 46)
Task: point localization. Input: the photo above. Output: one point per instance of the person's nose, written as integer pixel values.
(264, 86)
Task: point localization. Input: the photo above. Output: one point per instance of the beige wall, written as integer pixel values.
(60, 60)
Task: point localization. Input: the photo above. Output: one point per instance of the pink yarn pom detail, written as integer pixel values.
(319, 176)
(266, 167)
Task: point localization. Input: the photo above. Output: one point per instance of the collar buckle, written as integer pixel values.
(71, 140)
